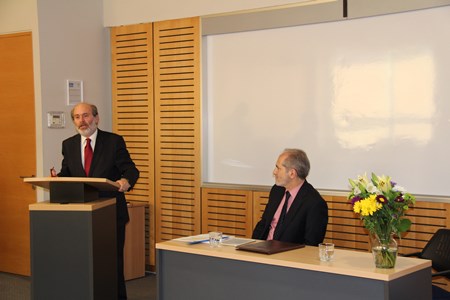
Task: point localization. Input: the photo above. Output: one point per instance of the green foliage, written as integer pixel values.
(381, 204)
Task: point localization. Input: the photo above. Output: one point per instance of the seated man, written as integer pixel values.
(296, 212)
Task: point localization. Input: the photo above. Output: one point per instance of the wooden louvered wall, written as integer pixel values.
(260, 200)
(346, 230)
(156, 107)
(133, 114)
(177, 128)
(228, 211)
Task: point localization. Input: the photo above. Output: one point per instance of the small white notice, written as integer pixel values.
(74, 91)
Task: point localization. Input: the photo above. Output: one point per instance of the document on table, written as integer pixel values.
(197, 239)
(235, 241)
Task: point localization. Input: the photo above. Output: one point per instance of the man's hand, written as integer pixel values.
(124, 185)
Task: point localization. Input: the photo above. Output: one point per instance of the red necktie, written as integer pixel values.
(88, 153)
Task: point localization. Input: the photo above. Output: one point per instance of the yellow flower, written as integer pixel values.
(367, 206)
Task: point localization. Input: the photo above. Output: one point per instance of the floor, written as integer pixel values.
(16, 287)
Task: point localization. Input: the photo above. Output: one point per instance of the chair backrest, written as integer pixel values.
(438, 250)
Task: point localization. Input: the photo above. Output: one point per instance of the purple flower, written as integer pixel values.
(381, 199)
(399, 198)
(355, 199)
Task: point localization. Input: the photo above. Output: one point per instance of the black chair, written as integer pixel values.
(438, 251)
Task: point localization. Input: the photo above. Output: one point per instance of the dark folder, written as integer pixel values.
(269, 247)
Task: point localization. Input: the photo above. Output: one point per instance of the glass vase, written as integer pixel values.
(384, 250)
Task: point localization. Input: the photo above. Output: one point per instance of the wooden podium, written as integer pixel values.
(73, 189)
(73, 240)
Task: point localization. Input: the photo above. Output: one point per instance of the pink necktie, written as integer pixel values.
(88, 153)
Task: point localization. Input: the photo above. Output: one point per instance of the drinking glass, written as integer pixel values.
(326, 251)
(215, 238)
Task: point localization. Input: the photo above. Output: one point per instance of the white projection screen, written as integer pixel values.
(361, 95)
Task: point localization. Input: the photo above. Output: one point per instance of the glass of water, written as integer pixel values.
(326, 251)
(215, 238)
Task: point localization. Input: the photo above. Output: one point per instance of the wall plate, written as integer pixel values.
(56, 119)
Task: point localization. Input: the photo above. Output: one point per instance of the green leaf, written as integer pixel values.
(404, 225)
(374, 179)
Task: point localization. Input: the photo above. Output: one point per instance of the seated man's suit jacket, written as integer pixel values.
(305, 222)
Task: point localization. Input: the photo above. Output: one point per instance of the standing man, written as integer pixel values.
(295, 212)
(97, 153)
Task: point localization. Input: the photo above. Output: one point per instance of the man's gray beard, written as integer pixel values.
(87, 132)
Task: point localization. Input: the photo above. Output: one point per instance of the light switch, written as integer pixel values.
(56, 119)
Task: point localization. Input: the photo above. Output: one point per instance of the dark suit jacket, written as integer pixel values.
(111, 160)
(305, 222)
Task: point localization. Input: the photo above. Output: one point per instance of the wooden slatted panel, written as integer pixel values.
(260, 200)
(177, 128)
(344, 228)
(133, 113)
(426, 218)
(149, 239)
(228, 211)
(347, 231)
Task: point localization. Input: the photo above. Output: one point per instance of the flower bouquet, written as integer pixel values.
(381, 205)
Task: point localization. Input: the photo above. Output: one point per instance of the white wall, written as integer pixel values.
(119, 12)
(17, 16)
(74, 45)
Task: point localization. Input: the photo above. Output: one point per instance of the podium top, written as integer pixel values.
(102, 184)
